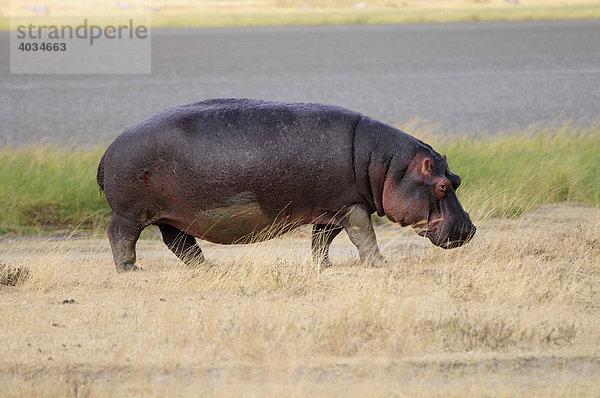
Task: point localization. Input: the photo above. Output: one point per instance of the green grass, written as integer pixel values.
(507, 175)
(504, 175)
(49, 187)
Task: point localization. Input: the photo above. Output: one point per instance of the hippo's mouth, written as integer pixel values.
(421, 230)
(427, 228)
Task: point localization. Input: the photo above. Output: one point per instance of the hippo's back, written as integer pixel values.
(228, 119)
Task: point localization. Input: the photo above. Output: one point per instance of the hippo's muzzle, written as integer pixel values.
(466, 236)
(448, 234)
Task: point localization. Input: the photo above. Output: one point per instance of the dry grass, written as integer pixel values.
(512, 313)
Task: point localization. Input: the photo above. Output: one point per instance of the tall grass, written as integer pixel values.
(507, 175)
(48, 187)
(504, 175)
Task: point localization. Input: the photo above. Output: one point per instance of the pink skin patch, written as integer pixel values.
(402, 207)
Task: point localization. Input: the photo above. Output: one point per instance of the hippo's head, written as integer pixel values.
(424, 197)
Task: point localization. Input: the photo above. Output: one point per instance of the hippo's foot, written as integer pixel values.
(127, 268)
(323, 262)
(376, 261)
(193, 259)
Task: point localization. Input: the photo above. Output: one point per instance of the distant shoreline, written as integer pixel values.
(206, 17)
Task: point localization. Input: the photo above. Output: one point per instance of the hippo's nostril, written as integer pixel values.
(469, 232)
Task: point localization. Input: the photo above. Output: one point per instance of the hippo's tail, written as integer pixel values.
(100, 175)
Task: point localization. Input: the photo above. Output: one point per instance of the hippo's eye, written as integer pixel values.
(441, 188)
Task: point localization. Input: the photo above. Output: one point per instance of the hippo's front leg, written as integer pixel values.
(357, 223)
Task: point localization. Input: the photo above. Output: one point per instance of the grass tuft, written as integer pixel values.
(13, 276)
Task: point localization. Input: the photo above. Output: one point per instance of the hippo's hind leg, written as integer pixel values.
(123, 235)
(322, 236)
(182, 244)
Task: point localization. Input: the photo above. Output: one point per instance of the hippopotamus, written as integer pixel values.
(240, 170)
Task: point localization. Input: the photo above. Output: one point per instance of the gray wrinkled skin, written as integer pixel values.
(240, 170)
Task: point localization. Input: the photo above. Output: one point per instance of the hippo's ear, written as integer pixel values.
(426, 168)
(444, 156)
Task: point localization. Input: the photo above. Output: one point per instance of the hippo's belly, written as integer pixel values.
(233, 224)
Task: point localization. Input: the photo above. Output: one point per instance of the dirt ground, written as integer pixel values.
(513, 313)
